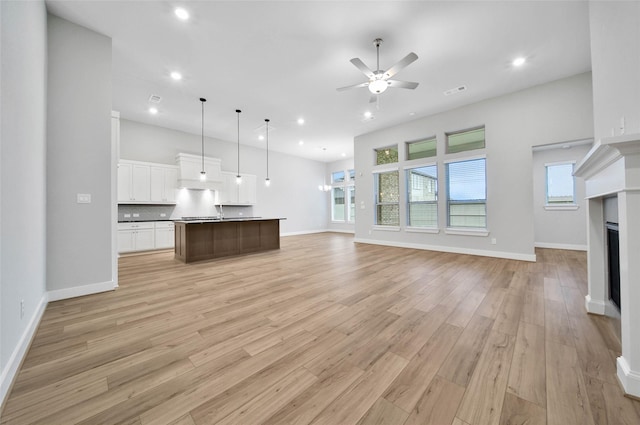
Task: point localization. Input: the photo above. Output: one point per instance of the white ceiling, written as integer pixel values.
(284, 60)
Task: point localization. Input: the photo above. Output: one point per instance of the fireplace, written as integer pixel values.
(613, 260)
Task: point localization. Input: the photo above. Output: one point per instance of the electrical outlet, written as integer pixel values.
(622, 125)
(127, 215)
(163, 215)
(493, 241)
(136, 215)
(21, 309)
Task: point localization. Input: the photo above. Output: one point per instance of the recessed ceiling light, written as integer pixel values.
(153, 110)
(519, 61)
(300, 121)
(176, 75)
(344, 154)
(181, 13)
(261, 137)
(301, 142)
(367, 114)
(412, 114)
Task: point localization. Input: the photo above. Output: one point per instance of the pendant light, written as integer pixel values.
(324, 187)
(238, 176)
(203, 174)
(267, 182)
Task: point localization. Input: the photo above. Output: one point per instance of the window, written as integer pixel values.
(421, 148)
(560, 184)
(467, 193)
(465, 140)
(422, 196)
(337, 204)
(388, 155)
(351, 204)
(387, 198)
(352, 175)
(337, 177)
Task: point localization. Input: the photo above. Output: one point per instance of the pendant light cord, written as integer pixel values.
(267, 124)
(238, 111)
(202, 100)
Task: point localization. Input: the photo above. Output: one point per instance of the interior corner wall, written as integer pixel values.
(79, 239)
(293, 192)
(549, 113)
(560, 229)
(615, 62)
(23, 44)
(340, 165)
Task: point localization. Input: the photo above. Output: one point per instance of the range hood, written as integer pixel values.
(189, 167)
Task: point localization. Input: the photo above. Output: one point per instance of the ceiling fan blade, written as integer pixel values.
(373, 98)
(362, 67)
(354, 86)
(410, 58)
(402, 84)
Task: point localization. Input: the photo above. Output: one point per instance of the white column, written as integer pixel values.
(597, 299)
(629, 224)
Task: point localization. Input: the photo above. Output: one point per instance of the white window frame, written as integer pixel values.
(375, 172)
(421, 229)
(333, 200)
(569, 206)
(466, 231)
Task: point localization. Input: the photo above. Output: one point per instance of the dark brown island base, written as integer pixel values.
(207, 239)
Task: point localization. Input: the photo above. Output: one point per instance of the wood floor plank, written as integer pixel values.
(482, 402)
(326, 330)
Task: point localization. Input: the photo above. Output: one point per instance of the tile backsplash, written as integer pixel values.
(145, 212)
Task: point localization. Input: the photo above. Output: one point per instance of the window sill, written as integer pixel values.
(386, 228)
(466, 232)
(433, 230)
(566, 207)
(337, 221)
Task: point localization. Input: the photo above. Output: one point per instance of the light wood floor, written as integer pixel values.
(325, 331)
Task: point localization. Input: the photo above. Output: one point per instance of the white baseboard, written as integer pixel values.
(79, 291)
(454, 250)
(595, 306)
(18, 354)
(304, 232)
(629, 379)
(340, 231)
(567, 246)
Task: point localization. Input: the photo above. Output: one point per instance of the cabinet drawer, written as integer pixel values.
(164, 225)
(135, 226)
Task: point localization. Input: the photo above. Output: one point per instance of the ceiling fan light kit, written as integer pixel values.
(380, 80)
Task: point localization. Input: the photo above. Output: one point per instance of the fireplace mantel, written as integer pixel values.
(612, 168)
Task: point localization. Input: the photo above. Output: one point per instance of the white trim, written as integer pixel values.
(463, 158)
(385, 228)
(466, 232)
(419, 165)
(629, 379)
(304, 232)
(384, 170)
(565, 207)
(455, 250)
(79, 291)
(567, 246)
(340, 231)
(17, 356)
(561, 145)
(551, 164)
(433, 230)
(594, 306)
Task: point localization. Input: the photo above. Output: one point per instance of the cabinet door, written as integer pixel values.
(157, 184)
(170, 185)
(126, 240)
(165, 238)
(247, 190)
(229, 194)
(124, 182)
(141, 183)
(144, 239)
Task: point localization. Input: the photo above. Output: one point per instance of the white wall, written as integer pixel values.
(79, 238)
(615, 58)
(549, 113)
(342, 165)
(560, 229)
(22, 178)
(293, 193)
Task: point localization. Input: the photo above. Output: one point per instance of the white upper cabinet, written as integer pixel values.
(146, 183)
(233, 193)
(189, 168)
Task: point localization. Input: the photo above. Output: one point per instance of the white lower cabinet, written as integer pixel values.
(165, 231)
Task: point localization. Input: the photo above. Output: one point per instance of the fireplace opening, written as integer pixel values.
(613, 257)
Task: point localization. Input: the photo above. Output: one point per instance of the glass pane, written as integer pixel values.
(421, 149)
(337, 212)
(388, 215)
(467, 193)
(465, 141)
(337, 177)
(388, 187)
(423, 214)
(560, 184)
(352, 175)
(422, 184)
(387, 155)
(351, 191)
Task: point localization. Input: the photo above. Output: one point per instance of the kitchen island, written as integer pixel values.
(198, 240)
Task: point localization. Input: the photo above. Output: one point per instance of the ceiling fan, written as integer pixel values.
(380, 80)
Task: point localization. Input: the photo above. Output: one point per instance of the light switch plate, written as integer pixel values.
(83, 198)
